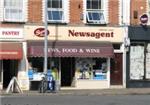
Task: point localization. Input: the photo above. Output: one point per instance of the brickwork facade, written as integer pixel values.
(76, 14)
(138, 7)
(113, 12)
(35, 11)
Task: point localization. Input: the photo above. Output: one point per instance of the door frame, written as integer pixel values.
(121, 71)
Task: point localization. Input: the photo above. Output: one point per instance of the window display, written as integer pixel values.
(89, 68)
(35, 70)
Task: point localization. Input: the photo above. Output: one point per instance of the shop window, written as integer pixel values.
(88, 68)
(56, 11)
(116, 46)
(14, 10)
(140, 61)
(137, 62)
(36, 65)
(95, 12)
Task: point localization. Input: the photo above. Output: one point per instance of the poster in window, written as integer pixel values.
(136, 62)
(148, 62)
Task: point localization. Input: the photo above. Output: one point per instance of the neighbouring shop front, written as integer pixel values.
(77, 64)
(11, 54)
(79, 57)
(138, 57)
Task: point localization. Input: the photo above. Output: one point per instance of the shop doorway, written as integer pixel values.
(10, 68)
(67, 71)
(116, 70)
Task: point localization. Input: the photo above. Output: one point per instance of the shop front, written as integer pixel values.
(79, 57)
(77, 63)
(11, 54)
(138, 71)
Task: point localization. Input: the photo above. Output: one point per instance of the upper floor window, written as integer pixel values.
(13, 10)
(55, 11)
(95, 12)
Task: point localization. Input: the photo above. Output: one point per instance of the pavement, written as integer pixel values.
(120, 91)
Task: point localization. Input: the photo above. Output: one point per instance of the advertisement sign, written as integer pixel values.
(81, 33)
(23, 80)
(11, 33)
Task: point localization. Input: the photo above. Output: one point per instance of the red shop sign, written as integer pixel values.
(144, 19)
(40, 32)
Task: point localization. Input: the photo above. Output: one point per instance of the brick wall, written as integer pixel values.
(113, 12)
(11, 25)
(76, 11)
(35, 11)
(138, 7)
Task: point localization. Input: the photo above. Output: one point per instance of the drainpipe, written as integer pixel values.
(125, 15)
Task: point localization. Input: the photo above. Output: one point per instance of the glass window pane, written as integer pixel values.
(7, 3)
(13, 3)
(101, 16)
(88, 4)
(55, 4)
(95, 4)
(50, 15)
(90, 16)
(56, 12)
(60, 3)
(100, 5)
(57, 15)
(13, 9)
(49, 5)
(96, 16)
(13, 14)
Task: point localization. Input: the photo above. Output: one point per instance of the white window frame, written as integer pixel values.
(103, 10)
(64, 14)
(23, 14)
(148, 11)
(95, 21)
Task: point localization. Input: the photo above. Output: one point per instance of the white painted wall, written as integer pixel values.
(124, 12)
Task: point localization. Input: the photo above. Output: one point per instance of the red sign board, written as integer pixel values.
(144, 19)
(40, 32)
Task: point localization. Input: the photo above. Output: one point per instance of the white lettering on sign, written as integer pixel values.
(93, 50)
(74, 50)
(53, 50)
(69, 50)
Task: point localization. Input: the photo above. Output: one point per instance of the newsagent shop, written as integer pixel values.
(138, 57)
(77, 58)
